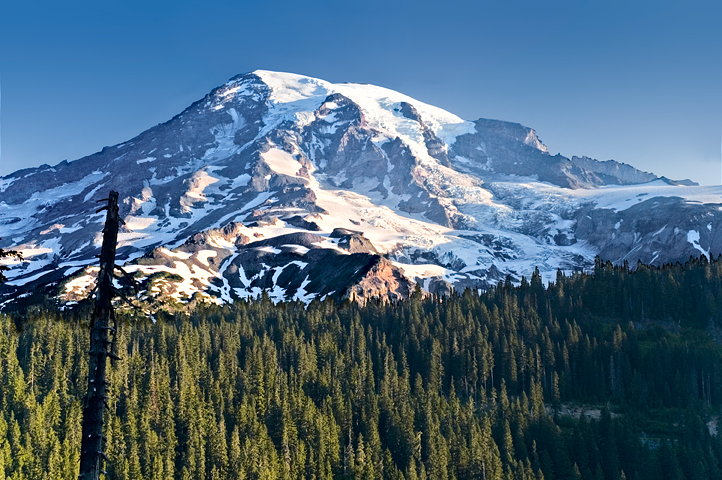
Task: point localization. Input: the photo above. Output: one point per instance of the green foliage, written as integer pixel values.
(474, 386)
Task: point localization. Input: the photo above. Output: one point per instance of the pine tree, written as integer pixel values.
(4, 268)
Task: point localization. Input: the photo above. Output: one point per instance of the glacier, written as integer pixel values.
(372, 191)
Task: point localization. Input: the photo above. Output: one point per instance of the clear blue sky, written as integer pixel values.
(636, 81)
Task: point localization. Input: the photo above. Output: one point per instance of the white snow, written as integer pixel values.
(83, 284)
(90, 194)
(498, 210)
(622, 197)
(224, 135)
(301, 293)
(196, 185)
(204, 255)
(27, 210)
(139, 223)
(421, 271)
(6, 182)
(269, 249)
(191, 274)
(693, 238)
(181, 255)
(294, 96)
(282, 162)
(297, 249)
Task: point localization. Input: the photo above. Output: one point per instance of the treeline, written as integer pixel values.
(467, 387)
(689, 294)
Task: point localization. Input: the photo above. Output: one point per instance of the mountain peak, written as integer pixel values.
(268, 157)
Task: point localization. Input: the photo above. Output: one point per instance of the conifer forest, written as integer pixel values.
(608, 375)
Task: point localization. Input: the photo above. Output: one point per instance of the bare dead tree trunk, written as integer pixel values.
(92, 447)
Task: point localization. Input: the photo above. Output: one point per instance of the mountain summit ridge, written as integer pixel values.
(433, 199)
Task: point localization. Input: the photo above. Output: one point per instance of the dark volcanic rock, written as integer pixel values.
(344, 232)
(302, 238)
(353, 241)
(300, 222)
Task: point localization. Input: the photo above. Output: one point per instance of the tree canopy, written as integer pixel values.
(573, 381)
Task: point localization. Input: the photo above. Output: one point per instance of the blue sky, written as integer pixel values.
(636, 81)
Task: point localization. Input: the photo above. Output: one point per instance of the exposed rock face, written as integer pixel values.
(232, 233)
(301, 222)
(659, 227)
(511, 149)
(611, 172)
(353, 241)
(382, 280)
(306, 189)
(440, 287)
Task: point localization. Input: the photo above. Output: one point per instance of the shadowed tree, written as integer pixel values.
(5, 268)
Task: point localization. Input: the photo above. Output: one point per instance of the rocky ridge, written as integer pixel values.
(302, 189)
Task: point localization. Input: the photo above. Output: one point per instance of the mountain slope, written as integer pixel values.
(428, 197)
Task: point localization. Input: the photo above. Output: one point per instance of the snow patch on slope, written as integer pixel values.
(693, 238)
(282, 162)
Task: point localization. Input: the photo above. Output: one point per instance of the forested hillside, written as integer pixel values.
(468, 386)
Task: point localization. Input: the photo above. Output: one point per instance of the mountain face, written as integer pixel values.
(303, 189)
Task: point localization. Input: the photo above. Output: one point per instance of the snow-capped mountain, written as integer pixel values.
(302, 188)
